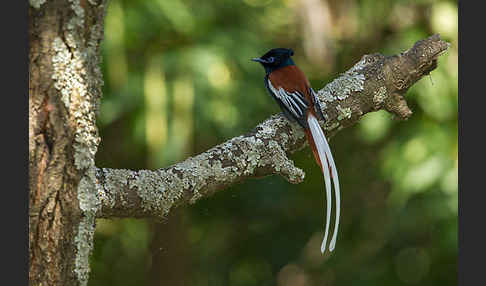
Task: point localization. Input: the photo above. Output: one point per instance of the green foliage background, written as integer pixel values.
(179, 80)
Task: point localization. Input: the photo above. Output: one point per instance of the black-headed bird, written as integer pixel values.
(289, 86)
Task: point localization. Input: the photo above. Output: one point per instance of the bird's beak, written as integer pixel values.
(259, 60)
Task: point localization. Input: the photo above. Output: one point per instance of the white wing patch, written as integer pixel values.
(293, 101)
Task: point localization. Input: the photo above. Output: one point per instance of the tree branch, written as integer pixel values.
(375, 82)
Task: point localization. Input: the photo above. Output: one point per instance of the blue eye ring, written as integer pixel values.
(270, 60)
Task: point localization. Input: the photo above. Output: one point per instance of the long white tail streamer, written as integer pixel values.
(325, 152)
(337, 193)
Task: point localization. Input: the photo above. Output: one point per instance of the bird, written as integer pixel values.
(289, 86)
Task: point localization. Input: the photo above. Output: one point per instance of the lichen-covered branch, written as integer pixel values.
(375, 82)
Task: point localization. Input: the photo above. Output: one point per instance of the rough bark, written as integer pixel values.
(64, 90)
(375, 82)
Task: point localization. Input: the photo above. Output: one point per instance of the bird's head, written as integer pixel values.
(275, 58)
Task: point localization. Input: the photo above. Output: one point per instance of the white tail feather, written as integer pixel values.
(337, 193)
(325, 153)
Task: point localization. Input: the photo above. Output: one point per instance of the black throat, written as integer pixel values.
(287, 62)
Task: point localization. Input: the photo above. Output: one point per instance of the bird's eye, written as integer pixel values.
(271, 59)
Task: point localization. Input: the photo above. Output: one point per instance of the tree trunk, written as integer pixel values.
(64, 90)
